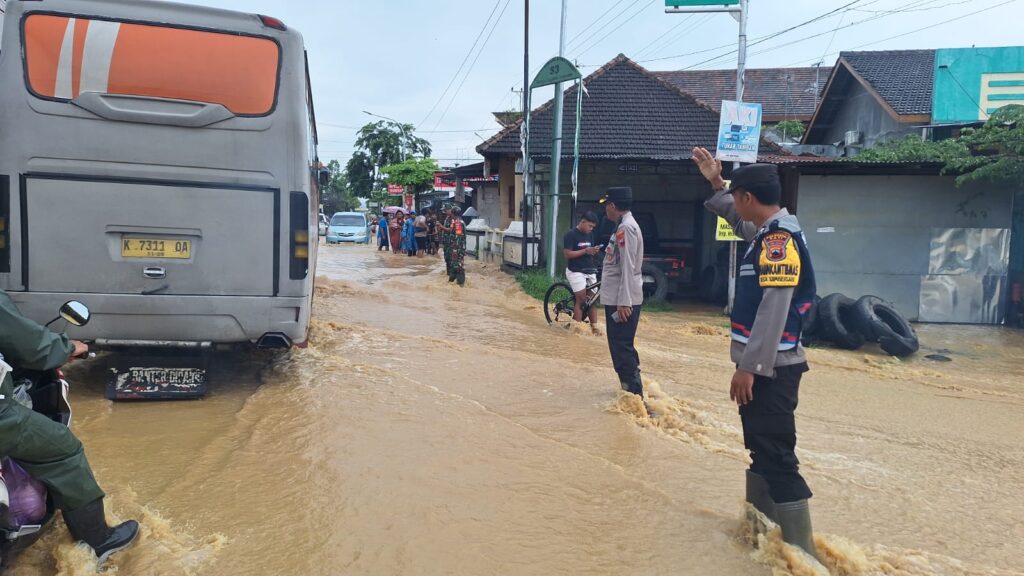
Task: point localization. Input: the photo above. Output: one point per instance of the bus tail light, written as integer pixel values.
(299, 231)
(271, 22)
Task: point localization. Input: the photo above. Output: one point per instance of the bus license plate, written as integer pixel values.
(155, 248)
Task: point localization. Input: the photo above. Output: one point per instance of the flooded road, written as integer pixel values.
(435, 430)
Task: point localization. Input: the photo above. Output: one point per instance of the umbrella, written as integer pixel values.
(394, 210)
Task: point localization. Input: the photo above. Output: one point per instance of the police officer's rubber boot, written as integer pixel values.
(631, 383)
(795, 521)
(759, 496)
(461, 278)
(638, 384)
(89, 524)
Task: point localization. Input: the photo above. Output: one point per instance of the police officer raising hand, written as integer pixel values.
(774, 289)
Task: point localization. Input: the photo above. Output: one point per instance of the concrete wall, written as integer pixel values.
(488, 202)
(862, 112)
(873, 234)
(506, 183)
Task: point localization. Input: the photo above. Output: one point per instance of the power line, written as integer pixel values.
(471, 66)
(599, 18)
(613, 30)
(463, 64)
(417, 131)
(917, 9)
(916, 3)
(664, 45)
(573, 46)
(757, 40)
(640, 52)
(962, 16)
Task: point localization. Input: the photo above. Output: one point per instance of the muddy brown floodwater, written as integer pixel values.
(435, 430)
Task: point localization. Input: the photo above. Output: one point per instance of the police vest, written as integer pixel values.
(776, 258)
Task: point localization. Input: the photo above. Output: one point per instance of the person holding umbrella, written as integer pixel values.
(382, 233)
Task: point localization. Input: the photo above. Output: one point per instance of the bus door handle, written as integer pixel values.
(152, 110)
(154, 273)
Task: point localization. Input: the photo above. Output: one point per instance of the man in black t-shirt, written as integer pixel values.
(581, 270)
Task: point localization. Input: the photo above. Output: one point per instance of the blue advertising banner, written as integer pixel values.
(739, 132)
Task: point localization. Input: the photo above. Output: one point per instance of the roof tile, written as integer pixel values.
(783, 92)
(903, 78)
(628, 112)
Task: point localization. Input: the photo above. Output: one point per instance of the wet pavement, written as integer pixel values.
(430, 429)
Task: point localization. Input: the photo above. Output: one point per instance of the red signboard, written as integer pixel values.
(396, 189)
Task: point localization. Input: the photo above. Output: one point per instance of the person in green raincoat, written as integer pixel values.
(48, 450)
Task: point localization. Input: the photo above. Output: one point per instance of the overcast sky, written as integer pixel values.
(397, 57)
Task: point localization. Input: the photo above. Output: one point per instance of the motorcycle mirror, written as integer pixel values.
(74, 312)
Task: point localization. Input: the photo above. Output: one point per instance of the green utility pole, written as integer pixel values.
(556, 155)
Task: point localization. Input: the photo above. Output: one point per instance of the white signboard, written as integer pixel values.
(739, 132)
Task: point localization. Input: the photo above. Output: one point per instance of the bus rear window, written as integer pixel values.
(67, 56)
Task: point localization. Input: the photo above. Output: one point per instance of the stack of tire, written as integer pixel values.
(848, 323)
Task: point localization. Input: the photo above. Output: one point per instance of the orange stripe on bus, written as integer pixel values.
(43, 38)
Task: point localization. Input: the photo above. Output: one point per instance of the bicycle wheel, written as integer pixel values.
(559, 303)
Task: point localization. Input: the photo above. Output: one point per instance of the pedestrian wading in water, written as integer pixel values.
(445, 228)
(774, 290)
(622, 287)
(457, 271)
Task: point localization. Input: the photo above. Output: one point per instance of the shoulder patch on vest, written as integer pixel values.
(779, 261)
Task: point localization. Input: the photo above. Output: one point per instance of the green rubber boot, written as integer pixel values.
(795, 521)
(759, 495)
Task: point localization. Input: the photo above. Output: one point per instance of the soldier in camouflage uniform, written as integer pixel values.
(458, 248)
(446, 244)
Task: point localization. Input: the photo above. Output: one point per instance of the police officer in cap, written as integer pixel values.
(622, 287)
(774, 291)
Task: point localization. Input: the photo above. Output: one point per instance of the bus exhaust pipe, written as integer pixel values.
(273, 340)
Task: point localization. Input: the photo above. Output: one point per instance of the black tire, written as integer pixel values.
(810, 324)
(864, 319)
(835, 322)
(655, 289)
(559, 303)
(895, 335)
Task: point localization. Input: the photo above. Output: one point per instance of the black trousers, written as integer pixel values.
(620, 342)
(769, 433)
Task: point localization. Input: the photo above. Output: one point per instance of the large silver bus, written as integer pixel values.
(158, 163)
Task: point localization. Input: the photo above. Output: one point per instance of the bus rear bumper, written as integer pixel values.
(176, 321)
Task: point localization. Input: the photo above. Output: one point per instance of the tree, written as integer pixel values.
(997, 149)
(993, 153)
(380, 144)
(414, 173)
(337, 196)
(911, 148)
(389, 143)
(361, 175)
(790, 129)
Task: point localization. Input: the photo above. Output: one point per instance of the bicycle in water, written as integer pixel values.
(560, 302)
